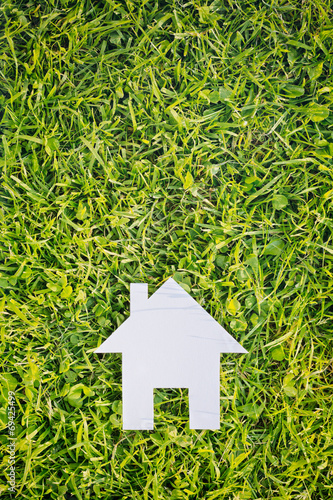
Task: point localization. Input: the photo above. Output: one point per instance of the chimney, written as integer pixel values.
(138, 296)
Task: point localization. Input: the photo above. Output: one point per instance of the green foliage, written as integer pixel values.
(149, 139)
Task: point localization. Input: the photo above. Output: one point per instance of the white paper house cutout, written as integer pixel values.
(169, 341)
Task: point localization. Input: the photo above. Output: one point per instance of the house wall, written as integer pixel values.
(141, 375)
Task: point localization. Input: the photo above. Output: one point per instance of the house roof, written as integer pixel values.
(171, 319)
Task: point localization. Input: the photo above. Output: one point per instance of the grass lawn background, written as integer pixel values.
(149, 139)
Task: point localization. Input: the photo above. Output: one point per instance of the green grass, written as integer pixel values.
(148, 139)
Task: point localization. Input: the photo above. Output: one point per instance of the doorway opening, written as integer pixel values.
(171, 407)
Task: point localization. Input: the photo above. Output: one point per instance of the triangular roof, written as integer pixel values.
(170, 317)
